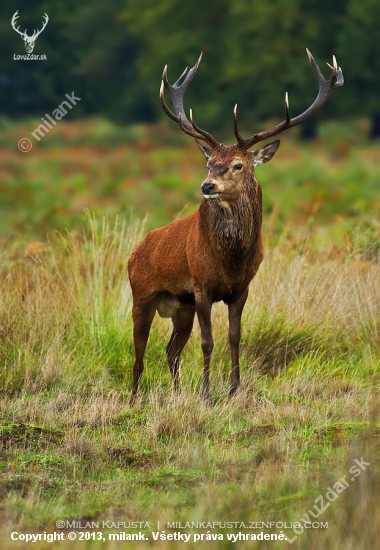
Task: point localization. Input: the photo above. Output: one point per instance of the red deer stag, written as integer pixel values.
(182, 268)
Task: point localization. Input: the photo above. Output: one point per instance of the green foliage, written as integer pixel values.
(360, 48)
(112, 55)
(328, 187)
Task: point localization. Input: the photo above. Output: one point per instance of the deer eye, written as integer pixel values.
(238, 166)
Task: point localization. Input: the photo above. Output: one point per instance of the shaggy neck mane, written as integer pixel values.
(234, 228)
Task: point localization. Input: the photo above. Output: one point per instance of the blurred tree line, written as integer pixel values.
(111, 53)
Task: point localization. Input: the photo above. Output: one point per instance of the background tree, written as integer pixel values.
(266, 41)
(174, 32)
(359, 48)
(113, 53)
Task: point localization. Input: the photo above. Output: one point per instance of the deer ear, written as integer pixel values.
(206, 150)
(260, 156)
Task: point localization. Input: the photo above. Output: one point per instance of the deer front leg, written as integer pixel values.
(142, 320)
(235, 311)
(203, 308)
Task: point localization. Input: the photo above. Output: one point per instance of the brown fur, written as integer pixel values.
(182, 268)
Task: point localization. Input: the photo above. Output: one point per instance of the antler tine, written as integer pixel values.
(287, 111)
(177, 92)
(326, 87)
(177, 82)
(187, 130)
(236, 131)
(163, 102)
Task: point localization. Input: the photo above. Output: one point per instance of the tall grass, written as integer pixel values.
(71, 447)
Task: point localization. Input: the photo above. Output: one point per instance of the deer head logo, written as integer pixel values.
(29, 40)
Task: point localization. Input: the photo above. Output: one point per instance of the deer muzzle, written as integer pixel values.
(210, 189)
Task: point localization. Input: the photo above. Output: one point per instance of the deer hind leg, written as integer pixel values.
(182, 326)
(142, 320)
(235, 311)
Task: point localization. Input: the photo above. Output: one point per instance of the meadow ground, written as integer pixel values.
(300, 441)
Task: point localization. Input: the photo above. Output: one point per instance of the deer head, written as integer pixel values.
(29, 40)
(229, 164)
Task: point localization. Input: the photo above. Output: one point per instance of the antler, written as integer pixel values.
(13, 23)
(177, 92)
(326, 87)
(44, 23)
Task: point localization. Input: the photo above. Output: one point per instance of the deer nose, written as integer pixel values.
(207, 188)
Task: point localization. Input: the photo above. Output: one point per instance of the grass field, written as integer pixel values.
(71, 448)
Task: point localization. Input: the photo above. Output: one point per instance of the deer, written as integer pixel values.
(212, 255)
(29, 40)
